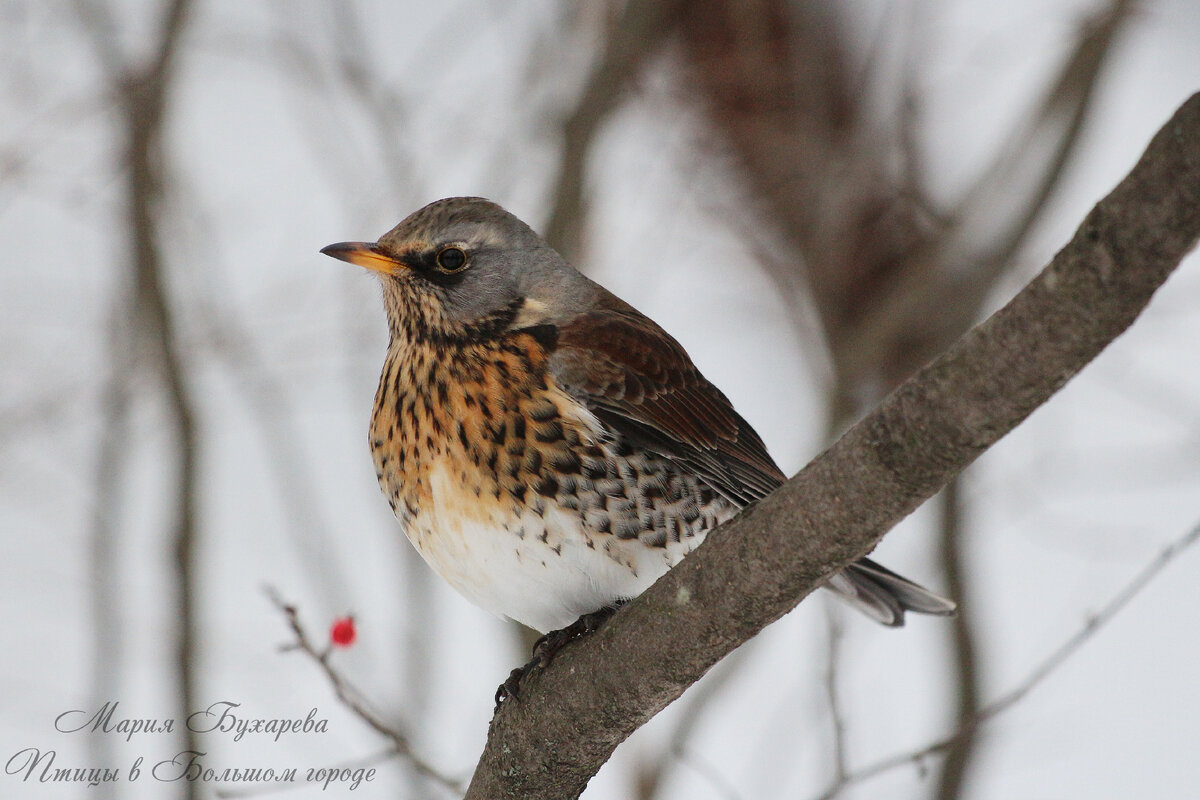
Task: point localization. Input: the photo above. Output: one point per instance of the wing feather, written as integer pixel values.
(638, 380)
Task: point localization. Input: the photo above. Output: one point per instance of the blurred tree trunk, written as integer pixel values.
(143, 93)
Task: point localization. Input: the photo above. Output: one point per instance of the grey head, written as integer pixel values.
(461, 265)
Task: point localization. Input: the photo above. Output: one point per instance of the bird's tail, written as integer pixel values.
(884, 596)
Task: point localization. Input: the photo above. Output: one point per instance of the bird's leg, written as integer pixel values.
(545, 648)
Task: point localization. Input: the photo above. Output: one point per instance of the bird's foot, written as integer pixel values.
(547, 647)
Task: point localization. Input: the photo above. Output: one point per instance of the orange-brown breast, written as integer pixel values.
(489, 416)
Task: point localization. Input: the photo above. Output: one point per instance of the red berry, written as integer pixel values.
(342, 632)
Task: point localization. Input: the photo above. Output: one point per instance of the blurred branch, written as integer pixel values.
(652, 779)
(105, 567)
(937, 289)
(1039, 674)
(832, 697)
(635, 35)
(755, 568)
(143, 93)
(352, 698)
(965, 662)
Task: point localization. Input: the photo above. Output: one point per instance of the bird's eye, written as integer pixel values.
(451, 259)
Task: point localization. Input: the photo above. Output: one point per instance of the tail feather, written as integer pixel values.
(884, 596)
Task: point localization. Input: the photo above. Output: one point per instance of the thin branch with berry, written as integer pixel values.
(343, 634)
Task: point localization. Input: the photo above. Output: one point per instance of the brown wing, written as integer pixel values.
(639, 381)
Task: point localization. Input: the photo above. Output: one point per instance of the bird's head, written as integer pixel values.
(464, 267)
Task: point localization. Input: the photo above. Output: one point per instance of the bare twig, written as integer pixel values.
(353, 699)
(1043, 670)
(832, 696)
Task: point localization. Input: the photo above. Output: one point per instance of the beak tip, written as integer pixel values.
(363, 254)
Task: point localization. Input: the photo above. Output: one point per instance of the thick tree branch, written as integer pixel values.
(757, 567)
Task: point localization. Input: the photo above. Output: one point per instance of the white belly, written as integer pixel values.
(545, 578)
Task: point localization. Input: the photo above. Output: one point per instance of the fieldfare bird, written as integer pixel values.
(548, 449)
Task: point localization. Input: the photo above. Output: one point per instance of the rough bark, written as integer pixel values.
(758, 566)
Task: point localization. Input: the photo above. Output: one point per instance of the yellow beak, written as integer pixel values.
(364, 254)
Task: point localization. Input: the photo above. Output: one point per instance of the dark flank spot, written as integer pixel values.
(557, 549)
(378, 476)
(546, 486)
(566, 462)
(627, 529)
(549, 432)
(593, 469)
(518, 493)
(604, 525)
(543, 411)
(478, 491)
(706, 496)
(544, 537)
(496, 492)
(651, 491)
(591, 545)
(520, 532)
(656, 539)
(502, 367)
(518, 424)
(429, 442)
(469, 399)
(619, 506)
(443, 393)
(491, 462)
(392, 503)
(569, 502)
(539, 506)
(622, 449)
(533, 460)
(484, 408)
(515, 447)
(568, 484)
(462, 437)
(377, 442)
